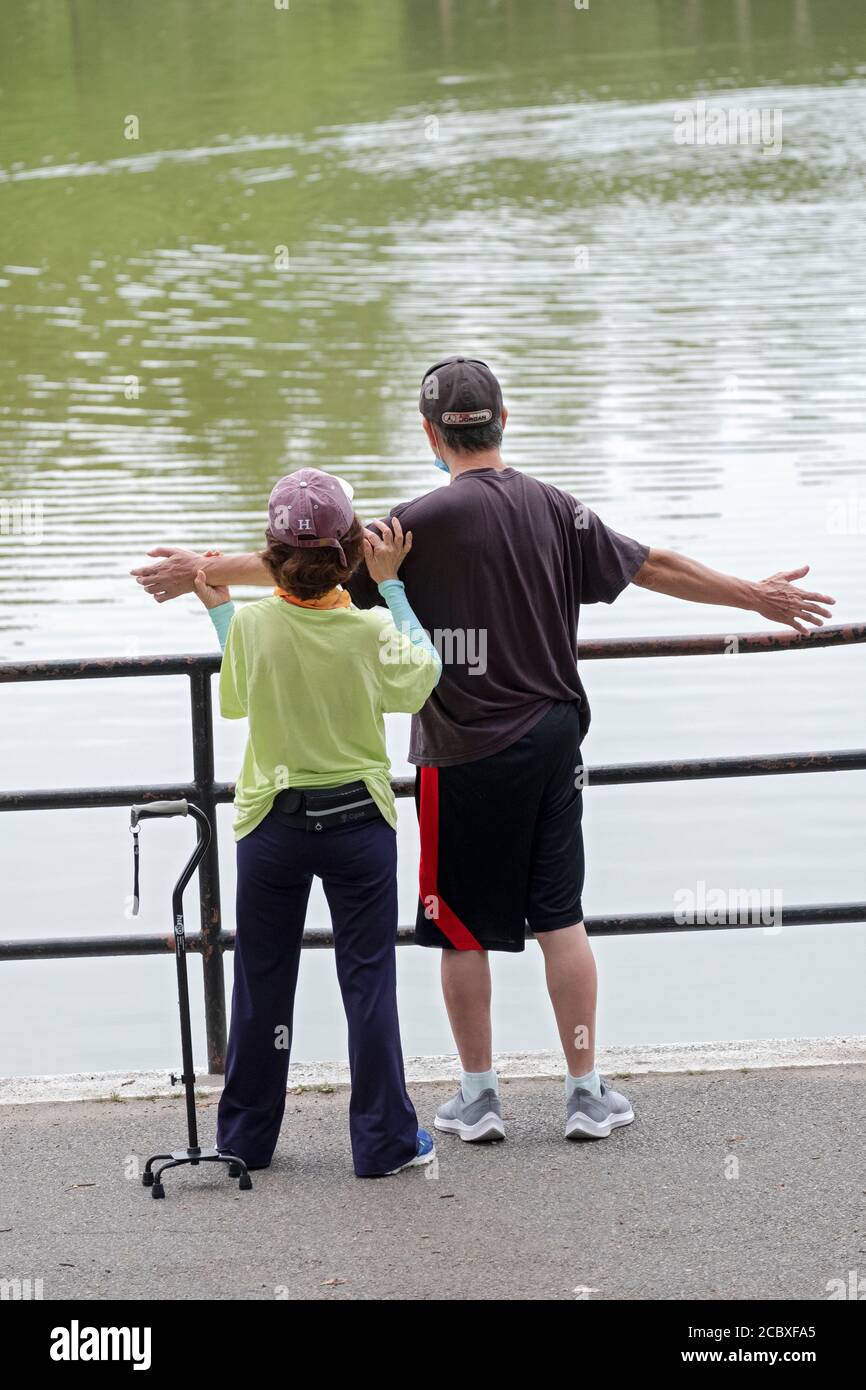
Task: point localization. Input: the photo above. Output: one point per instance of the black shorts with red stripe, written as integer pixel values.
(501, 841)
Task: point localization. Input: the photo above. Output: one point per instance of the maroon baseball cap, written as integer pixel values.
(310, 509)
(460, 392)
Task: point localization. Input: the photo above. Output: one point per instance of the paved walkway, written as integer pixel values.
(650, 1213)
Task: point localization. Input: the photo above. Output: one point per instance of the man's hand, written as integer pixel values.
(776, 598)
(175, 575)
(782, 602)
(177, 570)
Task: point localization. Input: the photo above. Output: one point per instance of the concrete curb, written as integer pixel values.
(613, 1061)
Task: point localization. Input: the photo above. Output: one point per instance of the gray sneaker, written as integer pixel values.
(477, 1121)
(588, 1118)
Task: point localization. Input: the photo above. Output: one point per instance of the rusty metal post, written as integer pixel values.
(209, 872)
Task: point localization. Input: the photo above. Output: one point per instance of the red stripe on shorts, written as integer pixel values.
(428, 870)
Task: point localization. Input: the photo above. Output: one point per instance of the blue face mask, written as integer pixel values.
(440, 463)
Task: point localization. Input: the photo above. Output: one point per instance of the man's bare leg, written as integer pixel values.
(475, 1113)
(467, 989)
(593, 1110)
(572, 984)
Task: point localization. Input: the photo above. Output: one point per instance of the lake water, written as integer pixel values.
(233, 237)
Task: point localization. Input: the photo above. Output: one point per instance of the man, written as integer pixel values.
(500, 567)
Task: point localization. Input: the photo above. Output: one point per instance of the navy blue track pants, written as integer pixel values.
(358, 869)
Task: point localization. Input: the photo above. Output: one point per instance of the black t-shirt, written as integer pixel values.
(499, 567)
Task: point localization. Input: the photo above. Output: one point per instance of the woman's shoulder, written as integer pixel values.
(255, 611)
(272, 610)
(370, 620)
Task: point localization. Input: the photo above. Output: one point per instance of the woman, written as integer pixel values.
(315, 676)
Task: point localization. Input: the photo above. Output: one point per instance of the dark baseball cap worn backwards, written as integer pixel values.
(460, 393)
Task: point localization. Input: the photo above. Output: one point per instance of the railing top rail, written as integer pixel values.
(91, 668)
(721, 644)
(597, 649)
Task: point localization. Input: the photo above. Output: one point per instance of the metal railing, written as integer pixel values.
(211, 941)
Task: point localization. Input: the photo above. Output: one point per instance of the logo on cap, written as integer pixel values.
(466, 417)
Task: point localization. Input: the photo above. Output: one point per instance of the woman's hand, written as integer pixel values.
(211, 595)
(385, 554)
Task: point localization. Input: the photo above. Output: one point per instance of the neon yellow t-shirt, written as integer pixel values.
(315, 684)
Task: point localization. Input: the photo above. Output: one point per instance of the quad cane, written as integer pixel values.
(193, 1153)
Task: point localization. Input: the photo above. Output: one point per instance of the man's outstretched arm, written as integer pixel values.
(176, 571)
(777, 599)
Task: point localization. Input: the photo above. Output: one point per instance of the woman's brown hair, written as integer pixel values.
(312, 572)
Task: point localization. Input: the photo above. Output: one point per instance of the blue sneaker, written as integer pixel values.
(424, 1153)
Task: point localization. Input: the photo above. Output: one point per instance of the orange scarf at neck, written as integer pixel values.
(336, 598)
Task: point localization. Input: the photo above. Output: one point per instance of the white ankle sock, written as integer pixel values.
(472, 1083)
(591, 1082)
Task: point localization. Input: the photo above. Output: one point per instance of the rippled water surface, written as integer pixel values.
(320, 202)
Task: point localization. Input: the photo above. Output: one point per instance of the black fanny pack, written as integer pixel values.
(325, 808)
